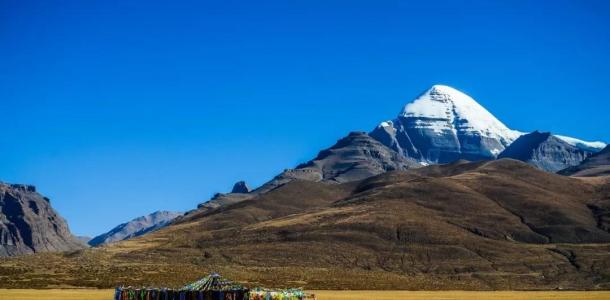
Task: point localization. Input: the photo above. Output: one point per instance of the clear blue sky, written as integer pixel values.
(115, 109)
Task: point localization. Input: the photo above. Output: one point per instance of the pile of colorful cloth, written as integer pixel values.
(213, 282)
(128, 293)
(211, 287)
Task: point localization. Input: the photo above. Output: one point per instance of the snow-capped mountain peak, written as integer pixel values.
(445, 108)
(444, 124)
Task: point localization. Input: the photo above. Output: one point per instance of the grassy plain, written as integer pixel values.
(90, 294)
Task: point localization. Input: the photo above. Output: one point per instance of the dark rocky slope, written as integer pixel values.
(29, 224)
(544, 151)
(354, 157)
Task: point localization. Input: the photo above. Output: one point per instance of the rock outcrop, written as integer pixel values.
(240, 187)
(29, 224)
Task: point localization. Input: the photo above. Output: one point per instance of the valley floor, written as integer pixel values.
(90, 294)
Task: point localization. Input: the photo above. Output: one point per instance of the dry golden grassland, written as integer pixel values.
(331, 295)
(457, 295)
(72, 294)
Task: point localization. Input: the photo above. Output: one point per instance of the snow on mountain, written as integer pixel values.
(583, 145)
(443, 125)
(449, 109)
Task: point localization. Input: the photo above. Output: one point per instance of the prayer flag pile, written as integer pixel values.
(211, 287)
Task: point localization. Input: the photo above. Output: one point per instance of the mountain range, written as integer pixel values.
(442, 125)
(444, 195)
(499, 224)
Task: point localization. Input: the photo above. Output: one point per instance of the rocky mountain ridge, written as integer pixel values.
(354, 157)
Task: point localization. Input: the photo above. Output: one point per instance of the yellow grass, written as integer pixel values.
(329, 295)
(450, 295)
(56, 294)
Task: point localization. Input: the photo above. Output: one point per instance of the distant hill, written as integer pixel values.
(136, 227)
(545, 151)
(28, 223)
(596, 165)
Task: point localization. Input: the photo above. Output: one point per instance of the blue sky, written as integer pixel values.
(115, 109)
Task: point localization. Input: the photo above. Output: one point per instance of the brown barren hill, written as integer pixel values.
(478, 226)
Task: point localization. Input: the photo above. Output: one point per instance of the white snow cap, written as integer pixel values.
(444, 108)
(580, 143)
(386, 124)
